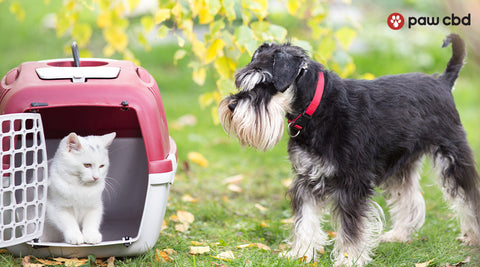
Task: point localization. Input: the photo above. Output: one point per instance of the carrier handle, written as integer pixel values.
(76, 57)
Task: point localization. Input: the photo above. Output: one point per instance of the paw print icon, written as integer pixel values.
(395, 21)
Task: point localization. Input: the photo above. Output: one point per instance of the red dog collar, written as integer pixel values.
(296, 125)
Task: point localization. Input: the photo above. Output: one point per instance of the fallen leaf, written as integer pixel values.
(161, 256)
(226, 256)
(185, 217)
(26, 262)
(260, 207)
(261, 246)
(72, 261)
(234, 188)
(198, 159)
(185, 120)
(47, 262)
(197, 250)
(332, 234)
(257, 245)
(164, 225)
(290, 220)
(424, 264)
(3, 251)
(189, 198)
(196, 243)
(182, 227)
(237, 179)
(264, 224)
(111, 262)
(225, 199)
(169, 251)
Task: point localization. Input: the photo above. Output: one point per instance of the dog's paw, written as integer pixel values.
(469, 240)
(394, 236)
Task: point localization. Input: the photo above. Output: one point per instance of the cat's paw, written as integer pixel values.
(74, 238)
(92, 237)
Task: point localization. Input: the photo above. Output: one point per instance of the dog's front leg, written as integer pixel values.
(307, 237)
(359, 226)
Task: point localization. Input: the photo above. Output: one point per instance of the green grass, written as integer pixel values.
(225, 219)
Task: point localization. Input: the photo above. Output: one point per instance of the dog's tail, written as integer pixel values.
(456, 62)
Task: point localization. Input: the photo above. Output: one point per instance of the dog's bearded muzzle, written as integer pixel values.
(253, 122)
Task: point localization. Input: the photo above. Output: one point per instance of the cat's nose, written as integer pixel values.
(95, 178)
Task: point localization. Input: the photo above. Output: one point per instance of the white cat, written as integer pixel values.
(77, 175)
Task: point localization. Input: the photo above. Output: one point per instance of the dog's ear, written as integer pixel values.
(285, 70)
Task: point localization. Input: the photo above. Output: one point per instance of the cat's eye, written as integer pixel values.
(87, 165)
(101, 166)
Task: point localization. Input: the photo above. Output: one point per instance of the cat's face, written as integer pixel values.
(87, 157)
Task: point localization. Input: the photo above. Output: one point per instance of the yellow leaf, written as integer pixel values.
(293, 6)
(111, 261)
(260, 207)
(368, 76)
(164, 225)
(185, 217)
(108, 50)
(198, 48)
(161, 15)
(117, 38)
(189, 198)
(147, 23)
(199, 250)
(81, 33)
(424, 264)
(214, 50)
(234, 188)
(264, 224)
(290, 220)
(177, 11)
(198, 159)
(182, 227)
(199, 76)
(161, 256)
(196, 243)
(225, 67)
(229, 7)
(179, 54)
(236, 179)
(226, 256)
(261, 246)
(204, 16)
(345, 36)
(104, 20)
(17, 10)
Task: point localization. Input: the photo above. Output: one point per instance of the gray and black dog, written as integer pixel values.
(349, 137)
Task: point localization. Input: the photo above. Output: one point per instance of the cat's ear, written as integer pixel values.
(108, 138)
(73, 143)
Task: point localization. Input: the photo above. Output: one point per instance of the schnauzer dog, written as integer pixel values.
(348, 137)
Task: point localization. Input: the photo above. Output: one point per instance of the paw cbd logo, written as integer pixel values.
(395, 21)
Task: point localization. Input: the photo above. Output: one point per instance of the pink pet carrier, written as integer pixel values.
(97, 96)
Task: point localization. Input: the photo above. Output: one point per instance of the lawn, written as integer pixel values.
(239, 201)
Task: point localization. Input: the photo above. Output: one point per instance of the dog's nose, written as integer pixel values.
(232, 106)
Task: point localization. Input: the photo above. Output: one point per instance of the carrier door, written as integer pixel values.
(23, 184)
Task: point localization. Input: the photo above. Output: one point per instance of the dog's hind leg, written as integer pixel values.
(405, 202)
(461, 188)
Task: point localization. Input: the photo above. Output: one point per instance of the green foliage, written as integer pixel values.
(235, 28)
